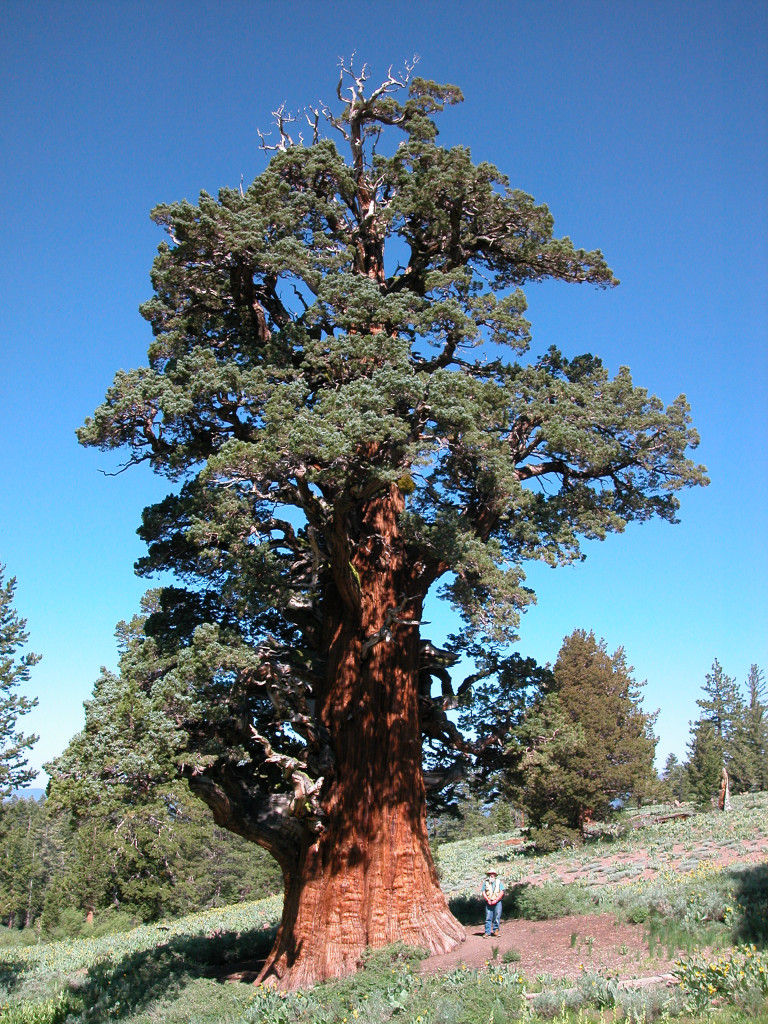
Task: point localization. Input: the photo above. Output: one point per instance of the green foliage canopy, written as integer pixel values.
(137, 839)
(14, 671)
(564, 742)
(731, 732)
(343, 326)
(597, 692)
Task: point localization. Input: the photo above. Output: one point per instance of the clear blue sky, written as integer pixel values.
(641, 124)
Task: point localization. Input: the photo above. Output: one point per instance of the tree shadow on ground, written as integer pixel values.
(529, 902)
(751, 893)
(12, 973)
(115, 989)
(470, 910)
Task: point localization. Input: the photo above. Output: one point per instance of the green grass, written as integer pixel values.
(170, 972)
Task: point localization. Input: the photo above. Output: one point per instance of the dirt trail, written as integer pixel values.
(561, 948)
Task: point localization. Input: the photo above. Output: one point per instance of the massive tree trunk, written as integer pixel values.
(368, 878)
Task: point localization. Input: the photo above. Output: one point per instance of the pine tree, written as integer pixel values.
(748, 762)
(705, 761)
(14, 671)
(334, 385)
(756, 726)
(722, 706)
(596, 691)
(23, 867)
(736, 730)
(106, 782)
(546, 745)
(526, 745)
(675, 779)
(139, 842)
(499, 709)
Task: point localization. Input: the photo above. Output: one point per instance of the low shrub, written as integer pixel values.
(551, 900)
(388, 989)
(644, 1005)
(739, 976)
(10, 937)
(638, 914)
(556, 1002)
(597, 990)
(72, 924)
(51, 1011)
(553, 837)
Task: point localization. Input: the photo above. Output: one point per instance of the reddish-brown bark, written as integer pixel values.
(368, 878)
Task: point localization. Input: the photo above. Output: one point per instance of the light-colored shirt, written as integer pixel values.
(493, 888)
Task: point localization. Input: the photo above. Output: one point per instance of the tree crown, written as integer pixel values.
(347, 331)
(14, 670)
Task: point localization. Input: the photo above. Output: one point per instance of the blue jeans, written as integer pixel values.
(492, 917)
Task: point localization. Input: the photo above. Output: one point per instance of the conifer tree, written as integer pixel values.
(23, 862)
(748, 761)
(336, 385)
(14, 671)
(705, 761)
(722, 706)
(675, 779)
(736, 728)
(137, 844)
(756, 727)
(545, 746)
(614, 758)
(526, 745)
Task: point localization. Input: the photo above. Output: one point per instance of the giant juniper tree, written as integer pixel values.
(334, 383)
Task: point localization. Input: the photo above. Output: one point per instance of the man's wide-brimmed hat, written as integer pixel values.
(491, 871)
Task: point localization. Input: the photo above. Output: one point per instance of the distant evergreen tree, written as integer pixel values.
(502, 816)
(23, 868)
(675, 779)
(500, 706)
(564, 744)
(705, 761)
(466, 818)
(141, 843)
(58, 870)
(596, 691)
(722, 706)
(756, 718)
(14, 670)
(546, 745)
(36, 849)
(738, 735)
(748, 765)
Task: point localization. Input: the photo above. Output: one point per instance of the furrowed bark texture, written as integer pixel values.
(368, 879)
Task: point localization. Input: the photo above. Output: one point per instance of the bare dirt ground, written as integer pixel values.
(561, 948)
(749, 851)
(595, 942)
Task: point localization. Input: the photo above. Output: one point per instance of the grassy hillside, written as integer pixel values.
(698, 882)
(693, 870)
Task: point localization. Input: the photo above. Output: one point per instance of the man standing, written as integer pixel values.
(492, 892)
